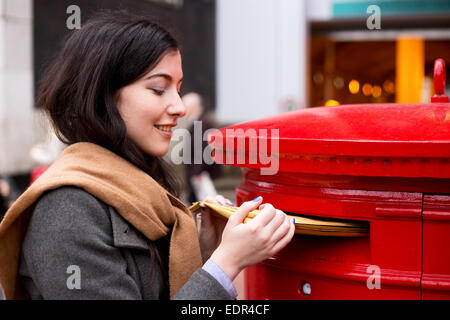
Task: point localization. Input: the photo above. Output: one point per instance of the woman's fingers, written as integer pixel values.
(284, 240)
(275, 228)
(272, 225)
(282, 229)
(276, 222)
(263, 217)
(242, 212)
(264, 236)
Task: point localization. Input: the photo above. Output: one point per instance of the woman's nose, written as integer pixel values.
(177, 107)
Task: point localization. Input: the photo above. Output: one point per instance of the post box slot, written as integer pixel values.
(333, 227)
(307, 225)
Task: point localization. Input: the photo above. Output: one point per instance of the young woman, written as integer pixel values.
(104, 222)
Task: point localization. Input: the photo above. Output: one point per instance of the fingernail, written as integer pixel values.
(293, 221)
(257, 199)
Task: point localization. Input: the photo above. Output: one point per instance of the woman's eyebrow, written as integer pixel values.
(164, 75)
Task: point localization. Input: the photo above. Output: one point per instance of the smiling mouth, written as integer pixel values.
(164, 128)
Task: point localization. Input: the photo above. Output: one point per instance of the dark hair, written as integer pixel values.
(78, 89)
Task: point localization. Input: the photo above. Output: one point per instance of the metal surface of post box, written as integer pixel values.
(384, 164)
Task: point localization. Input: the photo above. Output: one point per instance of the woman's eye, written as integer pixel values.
(158, 92)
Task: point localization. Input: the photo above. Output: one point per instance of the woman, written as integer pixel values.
(104, 222)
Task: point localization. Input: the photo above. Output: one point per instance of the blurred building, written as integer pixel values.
(353, 61)
(276, 56)
(18, 131)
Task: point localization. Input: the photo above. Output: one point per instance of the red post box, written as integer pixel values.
(384, 164)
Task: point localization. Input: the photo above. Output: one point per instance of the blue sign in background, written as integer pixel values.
(348, 9)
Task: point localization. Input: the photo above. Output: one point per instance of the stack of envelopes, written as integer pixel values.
(303, 225)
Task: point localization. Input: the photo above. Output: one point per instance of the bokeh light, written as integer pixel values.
(338, 82)
(331, 103)
(353, 86)
(367, 89)
(389, 86)
(376, 91)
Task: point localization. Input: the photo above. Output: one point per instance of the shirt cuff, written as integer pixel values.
(216, 271)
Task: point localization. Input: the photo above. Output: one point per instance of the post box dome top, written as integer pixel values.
(404, 140)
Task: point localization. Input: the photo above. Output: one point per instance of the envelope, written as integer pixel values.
(305, 225)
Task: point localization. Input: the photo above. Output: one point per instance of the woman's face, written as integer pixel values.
(151, 105)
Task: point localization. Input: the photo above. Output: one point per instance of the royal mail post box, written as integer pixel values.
(387, 165)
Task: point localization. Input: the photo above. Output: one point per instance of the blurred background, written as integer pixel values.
(245, 59)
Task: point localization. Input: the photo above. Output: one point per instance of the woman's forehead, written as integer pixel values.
(169, 66)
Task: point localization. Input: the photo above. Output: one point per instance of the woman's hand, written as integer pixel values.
(246, 244)
(209, 226)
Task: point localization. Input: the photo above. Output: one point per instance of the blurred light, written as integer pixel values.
(388, 86)
(318, 78)
(353, 86)
(367, 89)
(331, 103)
(376, 91)
(338, 83)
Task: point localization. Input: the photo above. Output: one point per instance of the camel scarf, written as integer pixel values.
(137, 197)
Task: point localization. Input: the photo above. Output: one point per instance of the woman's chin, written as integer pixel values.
(158, 153)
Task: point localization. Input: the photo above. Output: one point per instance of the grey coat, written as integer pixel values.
(77, 247)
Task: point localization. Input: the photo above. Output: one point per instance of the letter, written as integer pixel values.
(184, 310)
(242, 137)
(217, 146)
(257, 309)
(198, 142)
(238, 309)
(73, 21)
(374, 280)
(73, 281)
(211, 310)
(207, 153)
(266, 308)
(228, 309)
(192, 310)
(274, 151)
(245, 309)
(184, 146)
(374, 21)
(229, 142)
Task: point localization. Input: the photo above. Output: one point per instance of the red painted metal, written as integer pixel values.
(439, 82)
(436, 254)
(337, 268)
(392, 140)
(386, 164)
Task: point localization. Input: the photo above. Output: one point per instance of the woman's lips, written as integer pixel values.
(164, 133)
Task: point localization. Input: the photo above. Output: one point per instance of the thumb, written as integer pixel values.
(242, 212)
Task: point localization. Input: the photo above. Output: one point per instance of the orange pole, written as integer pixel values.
(409, 72)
